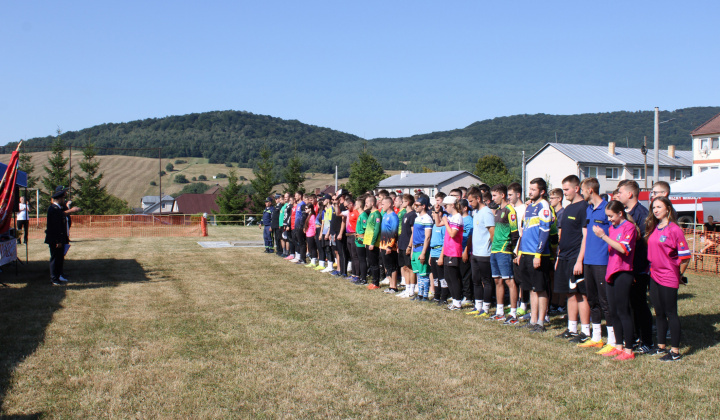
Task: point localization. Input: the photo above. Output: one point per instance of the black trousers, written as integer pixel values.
(57, 260)
(342, 254)
(618, 294)
(291, 242)
(664, 300)
(374, 263)
(482, 278)
(597, 298)
(438, 272)
(641, 310)
(352, 250)
(453, 278)
(300, 243)
(320, 242)
(23, 224)
(467, 283)
(312, 247)
(277, 235)
(363, 265)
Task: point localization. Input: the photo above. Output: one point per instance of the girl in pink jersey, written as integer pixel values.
(619, 277)
(452, 249)
(669, 255)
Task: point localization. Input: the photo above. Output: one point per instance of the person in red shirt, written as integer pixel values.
(350, 233)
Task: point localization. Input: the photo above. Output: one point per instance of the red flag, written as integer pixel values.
(7, 192)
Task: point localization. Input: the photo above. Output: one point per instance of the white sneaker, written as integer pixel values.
(385, 282)
(466, 303)
(402, 294)
(328, 270)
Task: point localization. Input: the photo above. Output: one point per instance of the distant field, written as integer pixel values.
(129, 177)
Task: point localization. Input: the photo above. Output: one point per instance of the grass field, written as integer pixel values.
(162, 328)
(129, 177)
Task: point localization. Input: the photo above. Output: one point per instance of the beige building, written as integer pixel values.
(429, 183)
(706, 146)
(611, 164)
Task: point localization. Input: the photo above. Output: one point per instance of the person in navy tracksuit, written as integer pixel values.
(266, 224)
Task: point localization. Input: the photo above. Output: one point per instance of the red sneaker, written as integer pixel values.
(613, 353)
(625, 356)
(373, 287)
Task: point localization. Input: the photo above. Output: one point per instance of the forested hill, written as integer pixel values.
(235, 136)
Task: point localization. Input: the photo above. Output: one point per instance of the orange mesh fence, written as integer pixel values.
(123, 226)
(704, 246)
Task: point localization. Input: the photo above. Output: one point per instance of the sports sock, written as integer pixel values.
(499, 310)
(572, 326)
(523, 306)
(486, 306)
(596, 332)
(443, 283)
(585, 329)
(478, 304)
(611, 336)
(513, 312)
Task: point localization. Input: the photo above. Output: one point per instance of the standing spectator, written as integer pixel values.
(56, 235)
(22, 218)
(266, 225)
(669, 256)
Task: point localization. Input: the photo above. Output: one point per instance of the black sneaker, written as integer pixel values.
(657, 351)
(566, 335)
(442, 302)
(642, 349)
(538, 329)
(58, 282)
(526, 325)
(580, 338)
(671, 357)
(416, 297)
(422, 299)
(511, 320)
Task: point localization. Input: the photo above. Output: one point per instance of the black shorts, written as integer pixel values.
(565, 279)
(404, 260)
(389, 260)
(536, 280)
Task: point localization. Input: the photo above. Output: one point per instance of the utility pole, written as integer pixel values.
(656, 153)
(523, 173)
(160, 177)
(644, 151)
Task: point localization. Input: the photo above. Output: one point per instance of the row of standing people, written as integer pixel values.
(483, 246)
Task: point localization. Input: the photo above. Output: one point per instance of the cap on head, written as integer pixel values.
(449, 199)
(423, 200)
(60, 191)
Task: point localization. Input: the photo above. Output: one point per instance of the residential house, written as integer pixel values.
(152, 204)
(706, 146)
(609, 165)
(429, 183)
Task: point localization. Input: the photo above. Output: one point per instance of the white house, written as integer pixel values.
(430, 183)
(706, 145)
(152, 204)
(609, 165)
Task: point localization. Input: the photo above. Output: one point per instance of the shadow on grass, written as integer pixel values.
(26, 312)
(682, 296)
(699, 331)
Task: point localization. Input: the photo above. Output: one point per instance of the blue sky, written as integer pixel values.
(370, 68)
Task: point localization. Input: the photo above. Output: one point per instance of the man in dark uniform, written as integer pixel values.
(266, 224)
(56, 234)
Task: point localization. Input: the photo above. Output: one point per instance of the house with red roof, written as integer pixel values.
(706, 145)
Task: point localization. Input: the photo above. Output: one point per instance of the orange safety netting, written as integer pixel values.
(704, 246)
(122, 226)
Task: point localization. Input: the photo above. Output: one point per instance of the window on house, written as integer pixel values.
(612, 173)
(638, 173)
(677, 174)
(703, 144)
(589, 172)
(715, 142)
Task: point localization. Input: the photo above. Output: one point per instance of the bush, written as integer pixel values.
(202, 178)
(194, 178)
(180, 179)
(229, 164)
(162, 173)
(180, 161)
(169, 167)
(221, 175)
(242, 178)
(153, 183)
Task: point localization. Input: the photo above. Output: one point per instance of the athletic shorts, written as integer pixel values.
(389, 260)
(536, 280)
(501, 265)
(565, 281)
(419, 268)
(404, 260)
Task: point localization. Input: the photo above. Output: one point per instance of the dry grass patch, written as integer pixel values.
(155, 327)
